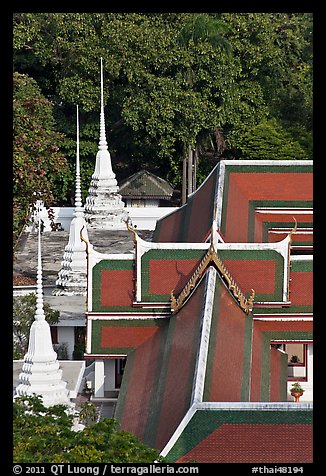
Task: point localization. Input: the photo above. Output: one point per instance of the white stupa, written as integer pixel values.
(72, 277)
(41, 373)
(104, 208)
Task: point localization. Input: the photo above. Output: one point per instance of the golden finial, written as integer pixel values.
(82, 238)
(131, 229)
(295, 226)
(294, 229)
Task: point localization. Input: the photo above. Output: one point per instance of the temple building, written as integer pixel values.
(144, 189)
(204, 328)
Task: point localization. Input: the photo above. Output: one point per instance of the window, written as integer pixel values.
(119, 369)
(54, 334)
(296, 353)
(80, 334)
(297, 360)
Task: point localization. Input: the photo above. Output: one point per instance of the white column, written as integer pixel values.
(99, 378)
(308, 386)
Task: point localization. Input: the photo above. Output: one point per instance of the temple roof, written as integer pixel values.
(252, 433)
(209, 352)
(144, 184)
(200, 368)
(254, 200)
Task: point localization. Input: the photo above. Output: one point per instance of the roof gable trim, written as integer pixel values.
(212, 259)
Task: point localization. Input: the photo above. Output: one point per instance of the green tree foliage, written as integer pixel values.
(275, 72)
(24, 308)
(268, 140)
(39, 167)
(46, 435)
(170, 80)
(88, 413)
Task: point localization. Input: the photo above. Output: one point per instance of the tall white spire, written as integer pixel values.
(40, 372)
(72, 277)
(103, 145)
(39, 314)
(78, 201)
(104, 208)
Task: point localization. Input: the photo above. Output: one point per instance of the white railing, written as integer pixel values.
(89, 369)
(23, 289)
(88, 376)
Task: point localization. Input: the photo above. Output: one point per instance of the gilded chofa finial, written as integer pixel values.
(295, 226)
(82, 238)
(294, 229)
(131, 229)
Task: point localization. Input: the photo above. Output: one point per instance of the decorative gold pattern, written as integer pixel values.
(212, 258)
(173, 301)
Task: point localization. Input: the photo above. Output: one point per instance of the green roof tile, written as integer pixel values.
(144, 184)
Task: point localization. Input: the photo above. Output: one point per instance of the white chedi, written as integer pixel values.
(41, 373)
(72, 277)
(104, 208)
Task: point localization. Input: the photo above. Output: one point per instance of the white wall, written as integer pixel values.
(143, 218)
(141, 203)
(146, 218)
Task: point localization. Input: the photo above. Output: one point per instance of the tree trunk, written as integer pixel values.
(190, 171)
(184, 181)
(195, 168)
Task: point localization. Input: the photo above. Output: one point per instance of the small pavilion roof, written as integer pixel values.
(144, 184)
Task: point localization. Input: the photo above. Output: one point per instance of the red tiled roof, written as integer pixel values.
(254, 443)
